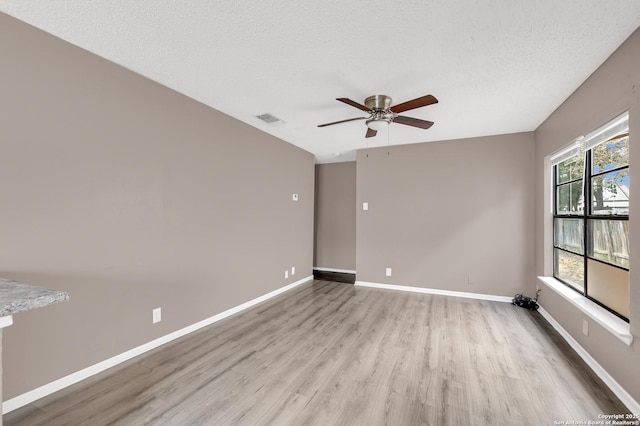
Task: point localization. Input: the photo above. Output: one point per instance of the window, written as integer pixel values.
(591, 216)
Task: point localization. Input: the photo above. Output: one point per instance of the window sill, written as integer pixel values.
(606, 319)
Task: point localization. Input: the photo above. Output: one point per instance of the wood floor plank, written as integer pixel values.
(331, 353)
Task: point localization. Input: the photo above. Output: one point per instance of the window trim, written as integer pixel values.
(588, 143)
(613, 324)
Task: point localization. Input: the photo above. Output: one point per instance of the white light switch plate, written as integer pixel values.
(365, 206)
(157, 315)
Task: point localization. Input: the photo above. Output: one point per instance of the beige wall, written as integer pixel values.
(454, 215)
(335, 220)
(130, 196)
(612, 89)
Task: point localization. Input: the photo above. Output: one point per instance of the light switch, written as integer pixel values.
(157, 315)
(365, 206)
(295, 197)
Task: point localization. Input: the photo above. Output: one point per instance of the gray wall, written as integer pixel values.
(612, 89)
(130, 196)
(335, 222)
(454, 215)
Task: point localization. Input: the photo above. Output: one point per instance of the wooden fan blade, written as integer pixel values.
(341, 121)
(414, 103)
(370, 133)
(415, 122)
(353, 104)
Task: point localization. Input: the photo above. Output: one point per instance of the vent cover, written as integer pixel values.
(269, 118)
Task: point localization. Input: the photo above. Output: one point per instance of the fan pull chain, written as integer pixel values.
(388, 138)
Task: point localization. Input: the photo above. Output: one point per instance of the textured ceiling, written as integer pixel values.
(497, 66)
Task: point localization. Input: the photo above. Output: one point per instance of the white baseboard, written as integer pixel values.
(479, 296)
(341, 271)
(615, 387)
(49, 388)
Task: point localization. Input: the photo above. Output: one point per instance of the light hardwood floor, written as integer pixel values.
(333, 354)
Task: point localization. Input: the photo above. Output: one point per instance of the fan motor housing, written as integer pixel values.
(378, 102)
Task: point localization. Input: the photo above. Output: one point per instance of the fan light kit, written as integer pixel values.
(378, 124)
(381, 113)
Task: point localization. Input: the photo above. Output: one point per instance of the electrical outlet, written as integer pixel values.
(585, 327)
(293, 270)
(286, 274)
(388, 272)
(157, 315)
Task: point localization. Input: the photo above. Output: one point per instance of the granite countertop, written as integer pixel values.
(18, 297)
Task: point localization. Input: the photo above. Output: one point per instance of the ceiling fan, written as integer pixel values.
(381, 113)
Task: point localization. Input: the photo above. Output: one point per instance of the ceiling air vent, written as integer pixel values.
(270, 119)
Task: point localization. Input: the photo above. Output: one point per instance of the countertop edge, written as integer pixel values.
(17, 297)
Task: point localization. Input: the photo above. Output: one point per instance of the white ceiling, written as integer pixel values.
(497, 66)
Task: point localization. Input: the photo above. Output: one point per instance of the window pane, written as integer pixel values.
(609, 241)
(569, 268)
(570, 199)
(609, 285)
(571, 169)
(611, 154)
(569, 235)
(610, 193)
